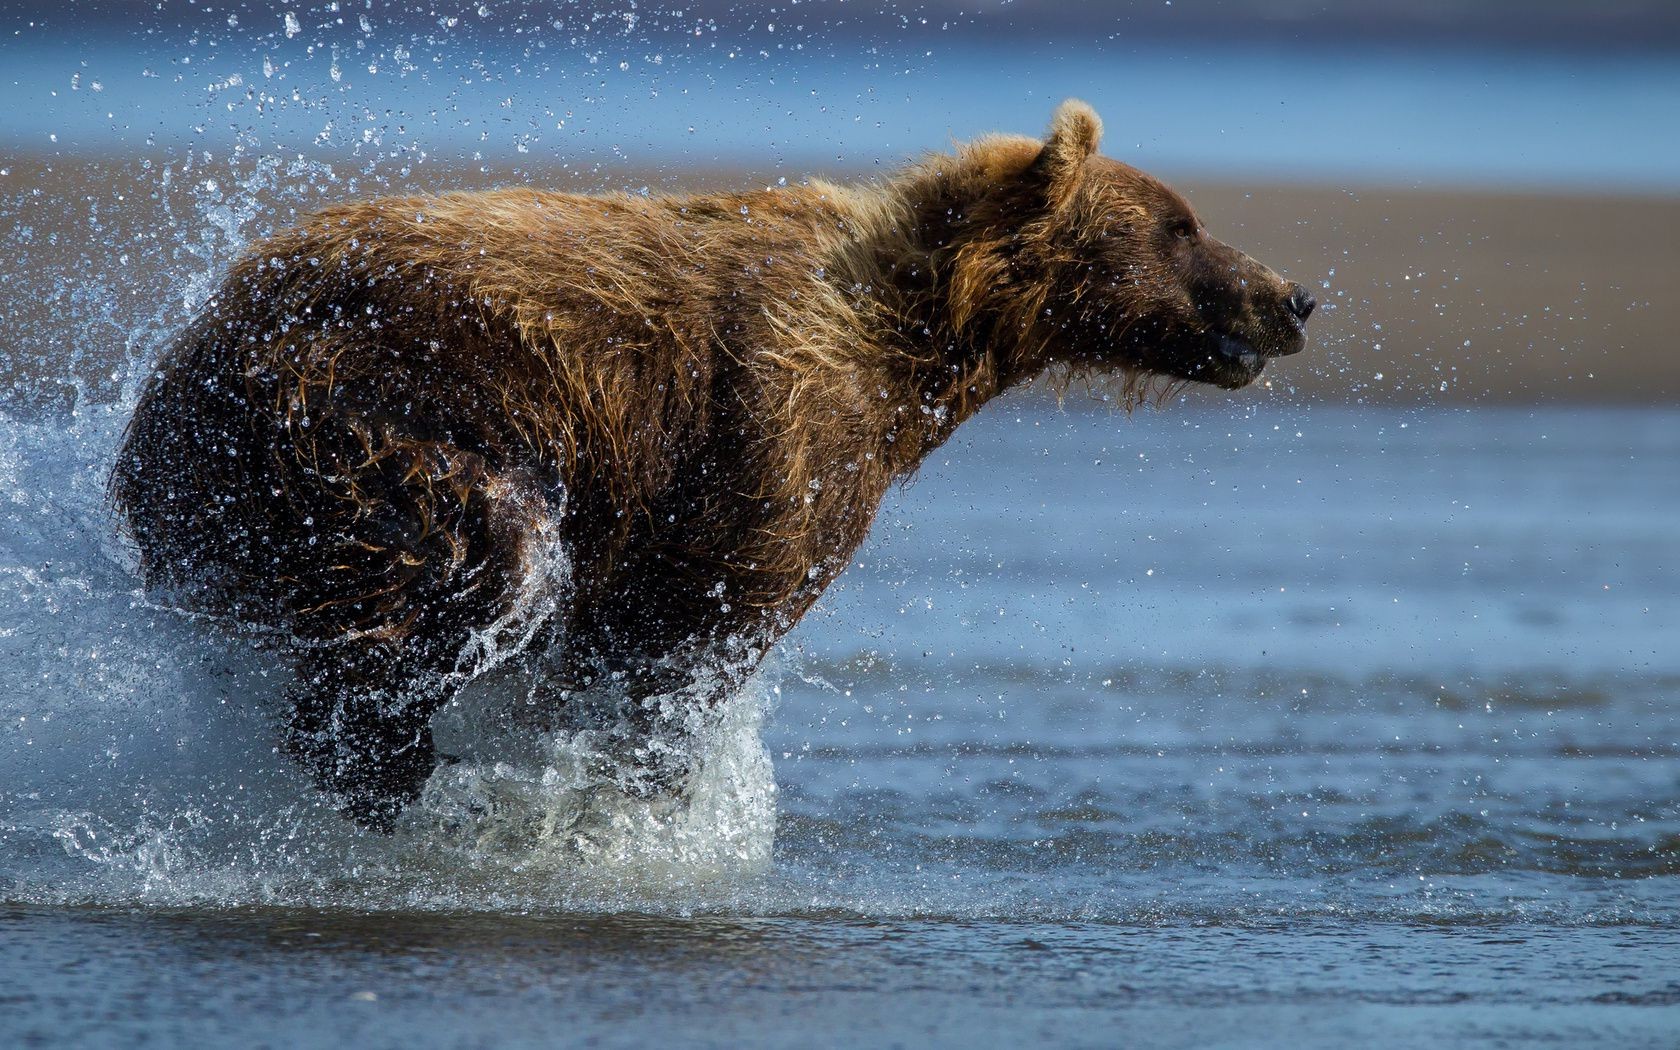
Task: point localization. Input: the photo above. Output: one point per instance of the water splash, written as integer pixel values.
(138, 758)
(139, 761)
(554, 800)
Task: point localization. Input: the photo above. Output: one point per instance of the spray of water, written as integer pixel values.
(138, 758)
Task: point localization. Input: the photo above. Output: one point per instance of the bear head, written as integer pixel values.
(1142, 284)
(1117, 271)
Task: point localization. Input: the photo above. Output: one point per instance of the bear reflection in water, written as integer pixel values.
(636, 435)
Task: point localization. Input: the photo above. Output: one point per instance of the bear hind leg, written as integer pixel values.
(361, 726)
(461, 549)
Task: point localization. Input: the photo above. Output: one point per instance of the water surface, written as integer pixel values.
(1233, 722)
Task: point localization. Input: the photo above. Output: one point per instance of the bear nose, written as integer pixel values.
(1301, 303)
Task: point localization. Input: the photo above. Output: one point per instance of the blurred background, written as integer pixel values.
(1487, 195)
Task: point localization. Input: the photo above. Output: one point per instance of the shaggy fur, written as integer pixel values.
(416, 434)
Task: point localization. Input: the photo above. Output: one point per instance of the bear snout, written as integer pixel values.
(1300, 303)
(1289, 320)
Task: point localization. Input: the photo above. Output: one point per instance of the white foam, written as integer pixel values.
(553, 800)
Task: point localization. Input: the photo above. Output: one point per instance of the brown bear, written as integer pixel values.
(636, 435)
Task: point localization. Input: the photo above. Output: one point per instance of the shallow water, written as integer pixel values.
(1231, 722)
(837, 981)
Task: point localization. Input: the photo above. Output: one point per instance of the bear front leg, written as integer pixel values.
(651, 750)
(363, 731)
(651, 712)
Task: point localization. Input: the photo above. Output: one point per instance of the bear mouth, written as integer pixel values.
(1233, 362)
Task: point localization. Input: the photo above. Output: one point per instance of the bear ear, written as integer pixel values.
(1075, 134)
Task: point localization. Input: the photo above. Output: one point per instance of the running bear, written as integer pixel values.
(633, 437)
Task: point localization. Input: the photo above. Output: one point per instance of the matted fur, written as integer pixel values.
(384, 412)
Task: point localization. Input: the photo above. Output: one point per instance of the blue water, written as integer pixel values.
(797, 99)
(1242, 721)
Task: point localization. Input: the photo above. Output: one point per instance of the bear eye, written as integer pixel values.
(1184, 229)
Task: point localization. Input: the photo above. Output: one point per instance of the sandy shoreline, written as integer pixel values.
(1473, 296)
(1433, 296)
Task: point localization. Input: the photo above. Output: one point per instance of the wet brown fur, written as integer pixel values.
(393, 422)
